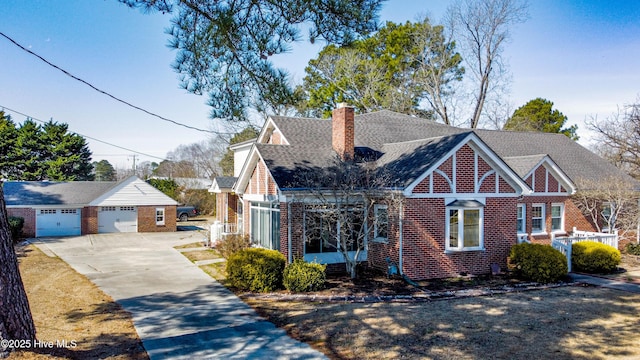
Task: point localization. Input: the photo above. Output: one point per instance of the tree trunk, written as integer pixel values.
(16, 322)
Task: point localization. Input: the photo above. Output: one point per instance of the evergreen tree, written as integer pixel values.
(224, 46)
(539, 115)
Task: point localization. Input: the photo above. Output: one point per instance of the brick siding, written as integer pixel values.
(29, 216)
(147, 219)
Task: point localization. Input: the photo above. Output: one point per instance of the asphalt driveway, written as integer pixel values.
(177, 309)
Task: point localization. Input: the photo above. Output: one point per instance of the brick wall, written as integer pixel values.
(424, 255)
(573, 217)
(147, 219)
(29, 216)
(89, 220)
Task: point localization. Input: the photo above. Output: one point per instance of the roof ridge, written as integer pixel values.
(429, 138)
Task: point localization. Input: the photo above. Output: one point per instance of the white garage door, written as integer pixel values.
(58, 222)
(117, 219)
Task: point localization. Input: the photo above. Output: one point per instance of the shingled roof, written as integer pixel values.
(30, 193)
(409, 145)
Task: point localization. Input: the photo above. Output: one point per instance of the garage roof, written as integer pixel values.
(131, 191)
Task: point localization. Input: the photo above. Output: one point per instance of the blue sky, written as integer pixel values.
(582, 55)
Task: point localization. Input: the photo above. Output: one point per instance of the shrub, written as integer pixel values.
(301, 276)
(594, 257)
(15, 226)
(539, 263)
(633, 249)
(232, 244)
(257, 270)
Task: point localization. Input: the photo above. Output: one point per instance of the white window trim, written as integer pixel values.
(561, 230)
(160, 222)
(375, 223)
(544, 219)
(461, 248)
(524, 219)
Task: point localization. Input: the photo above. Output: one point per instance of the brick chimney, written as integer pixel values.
(343, 131)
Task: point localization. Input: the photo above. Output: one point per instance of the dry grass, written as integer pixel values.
(67, 306)
(560, 323)
(194, 256)
(572, 322)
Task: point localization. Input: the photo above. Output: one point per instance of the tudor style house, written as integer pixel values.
(465, 196)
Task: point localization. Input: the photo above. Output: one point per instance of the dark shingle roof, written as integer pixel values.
(409, 145)
(576, 161)
(54, 193)
(402, 163)
(522, 165)
(225, 182)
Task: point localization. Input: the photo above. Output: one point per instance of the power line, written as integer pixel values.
(85, 136)
(106, 93)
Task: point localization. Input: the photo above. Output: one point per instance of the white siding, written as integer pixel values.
(133, 192)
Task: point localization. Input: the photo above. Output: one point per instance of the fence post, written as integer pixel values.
(569, 248)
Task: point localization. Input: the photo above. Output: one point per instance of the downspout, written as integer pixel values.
(401, 218)
(289, 255)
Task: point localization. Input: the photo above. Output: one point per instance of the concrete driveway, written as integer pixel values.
(177, 309)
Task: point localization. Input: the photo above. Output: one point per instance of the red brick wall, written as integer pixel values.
(276, 138)
(29, 216)
(343, 129)
(424, 255)
(147, 219)
(573, 217)
(89, 220)
(465, 169)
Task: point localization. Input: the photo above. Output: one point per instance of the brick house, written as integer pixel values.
(465, 196)
(89, 207)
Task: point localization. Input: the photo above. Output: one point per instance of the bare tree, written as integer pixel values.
(16, 322)
(481, 28)
(340, 209)
(610, 204)
(618, 138)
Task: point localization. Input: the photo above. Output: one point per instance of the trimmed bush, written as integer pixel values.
(594, 257)
(257, 270)
(539, 263)
(302, 276)
(633, 249)
(232, 244)
(15, 226)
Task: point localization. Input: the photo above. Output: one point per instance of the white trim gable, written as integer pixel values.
(551, 169)
(133, 192)
(481, 150)
(245, 177)
(268, 129)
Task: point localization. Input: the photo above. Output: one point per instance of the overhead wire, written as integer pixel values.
(2, 107)
(107, 93)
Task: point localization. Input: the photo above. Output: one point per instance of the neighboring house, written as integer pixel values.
(89, 207)
(465, 196)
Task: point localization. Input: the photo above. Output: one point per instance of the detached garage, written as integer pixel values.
(89, 207)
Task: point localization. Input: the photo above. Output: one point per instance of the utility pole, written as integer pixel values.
(134, 163)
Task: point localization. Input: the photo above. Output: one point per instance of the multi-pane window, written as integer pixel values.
(159, 216)
(381, 222)
(557, 217)
(265, 224)
(465, 226)
(521, 219)
(323, 228)
(537, 218)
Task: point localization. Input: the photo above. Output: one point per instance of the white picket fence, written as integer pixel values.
(563, 244)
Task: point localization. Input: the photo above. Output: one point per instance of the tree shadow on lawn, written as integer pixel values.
(560, 323)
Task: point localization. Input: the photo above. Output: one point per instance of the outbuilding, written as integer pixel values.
(89, 207)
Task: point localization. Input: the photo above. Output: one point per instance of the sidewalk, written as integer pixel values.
(605, 282)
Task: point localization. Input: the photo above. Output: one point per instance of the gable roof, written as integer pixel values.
(221, 183)
(36, 193)
(134, 192)
(130, 191)
(408, 145)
